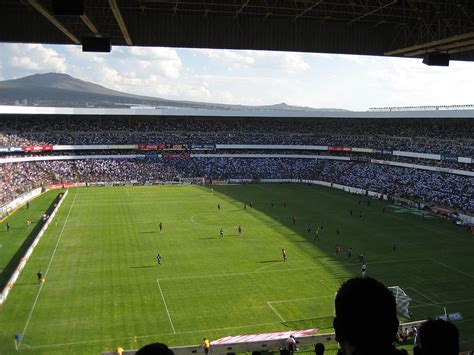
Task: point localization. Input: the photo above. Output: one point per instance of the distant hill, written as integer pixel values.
(63, 90)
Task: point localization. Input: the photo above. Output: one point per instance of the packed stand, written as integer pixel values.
(432, 187)
(448, 136)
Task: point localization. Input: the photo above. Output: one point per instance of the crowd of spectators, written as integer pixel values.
(440, 136)
(432, 187)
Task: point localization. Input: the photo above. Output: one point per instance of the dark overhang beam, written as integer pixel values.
(91, 25)
(118, 17)
(43, 11)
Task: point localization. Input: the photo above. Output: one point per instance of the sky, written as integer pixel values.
(251, 77)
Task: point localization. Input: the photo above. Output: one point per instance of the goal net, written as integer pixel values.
(195, 180)
(403, 301)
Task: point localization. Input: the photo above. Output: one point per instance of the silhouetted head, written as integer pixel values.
(366, 316)
(438, 337)
(155, 349)
(319, 349)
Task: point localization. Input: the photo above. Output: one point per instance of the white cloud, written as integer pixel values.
(29, 58)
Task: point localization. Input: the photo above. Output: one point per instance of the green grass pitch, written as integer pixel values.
(104, 288)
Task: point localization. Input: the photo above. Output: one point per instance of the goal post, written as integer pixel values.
(402, 300)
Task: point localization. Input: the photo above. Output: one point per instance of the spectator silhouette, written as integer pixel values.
(438, 337)
(366, 320)
(155, 349)
(319, 349)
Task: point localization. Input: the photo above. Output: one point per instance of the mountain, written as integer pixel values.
(63, 90)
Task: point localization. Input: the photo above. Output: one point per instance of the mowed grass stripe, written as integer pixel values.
(102, 292)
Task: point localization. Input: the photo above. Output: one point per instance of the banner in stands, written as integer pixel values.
(176, 155)
(38, 148)
(362, 150)
(175, 147)
(465, 160)
(150, 146)
(449, 158)
(417, 155)
(358, 158)
(333, 148)
(236, 339)
(203, 146)
(10, 149)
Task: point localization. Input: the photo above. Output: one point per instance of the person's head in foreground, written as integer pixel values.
(319, 349)
(438, 337)
(366, 320)
(155, 349)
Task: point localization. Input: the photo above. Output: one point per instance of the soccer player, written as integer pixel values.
(349, 253)
(360, 214)
(283, 254)
(316, 235)
(8, 227)
(338, 249)
(158, 259)
(221, 232)
(350, 212)
(27, 205)
(206, 345)
(337, 232)
(310, 228)
(273, 203)
(284, 203)
(212, 190)
(28, 223)
(218, 206)
(161, 227)
(383, 210)
(394, 247)
(363, 270)
(40, 276)
(240, 230)
(294, 220)
(251, 204)
(245, 205)
(361, 258)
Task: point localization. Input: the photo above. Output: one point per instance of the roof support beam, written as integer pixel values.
(43, 11)
(244, 4)
(309, 8)
(458, 40)
(91, 25)
(118, 17)
(373, 11)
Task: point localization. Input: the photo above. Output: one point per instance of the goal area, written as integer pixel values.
(194, 180)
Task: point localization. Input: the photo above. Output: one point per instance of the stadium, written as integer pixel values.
(127, 221)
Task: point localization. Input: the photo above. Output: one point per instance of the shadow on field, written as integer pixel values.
(141, 267)
(15, 260)
(270, 261)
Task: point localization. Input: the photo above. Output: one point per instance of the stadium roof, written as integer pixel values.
(221, 113)
(370, 27)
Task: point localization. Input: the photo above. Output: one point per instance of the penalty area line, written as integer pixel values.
(47, 270)
(274, 310)
(452, 268)
(166, 307)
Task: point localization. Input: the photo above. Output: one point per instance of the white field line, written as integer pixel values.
(47, 270)
(274, 310)
(423, 295)
(452, 268)
(391, 261)
(166, 307)
(444, 303)
(300, 299)
(153, 335)
(270, 271)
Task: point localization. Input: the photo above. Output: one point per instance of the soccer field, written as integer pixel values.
(104, 288)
